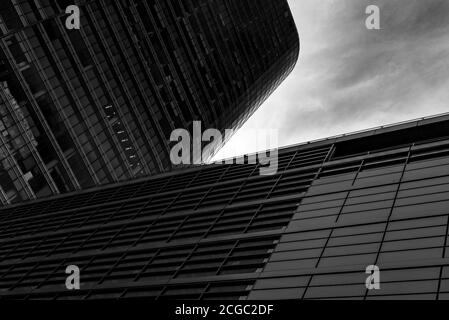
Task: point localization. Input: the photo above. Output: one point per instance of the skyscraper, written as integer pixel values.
(335, 207)
(95, 105)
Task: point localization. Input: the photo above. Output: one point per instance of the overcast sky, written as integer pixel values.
(349, 78)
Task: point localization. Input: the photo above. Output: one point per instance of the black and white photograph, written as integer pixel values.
(218, 159)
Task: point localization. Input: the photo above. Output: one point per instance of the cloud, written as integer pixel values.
(349, 78)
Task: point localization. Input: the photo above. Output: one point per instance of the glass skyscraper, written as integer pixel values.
(87, 107)
(223, 231)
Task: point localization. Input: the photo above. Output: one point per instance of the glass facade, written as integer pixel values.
(335, 206)
(97, 105)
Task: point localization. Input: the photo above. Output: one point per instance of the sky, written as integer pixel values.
(349, 78)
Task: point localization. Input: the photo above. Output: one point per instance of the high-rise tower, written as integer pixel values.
(94, 105)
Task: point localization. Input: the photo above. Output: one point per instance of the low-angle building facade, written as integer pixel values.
(223, 231)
